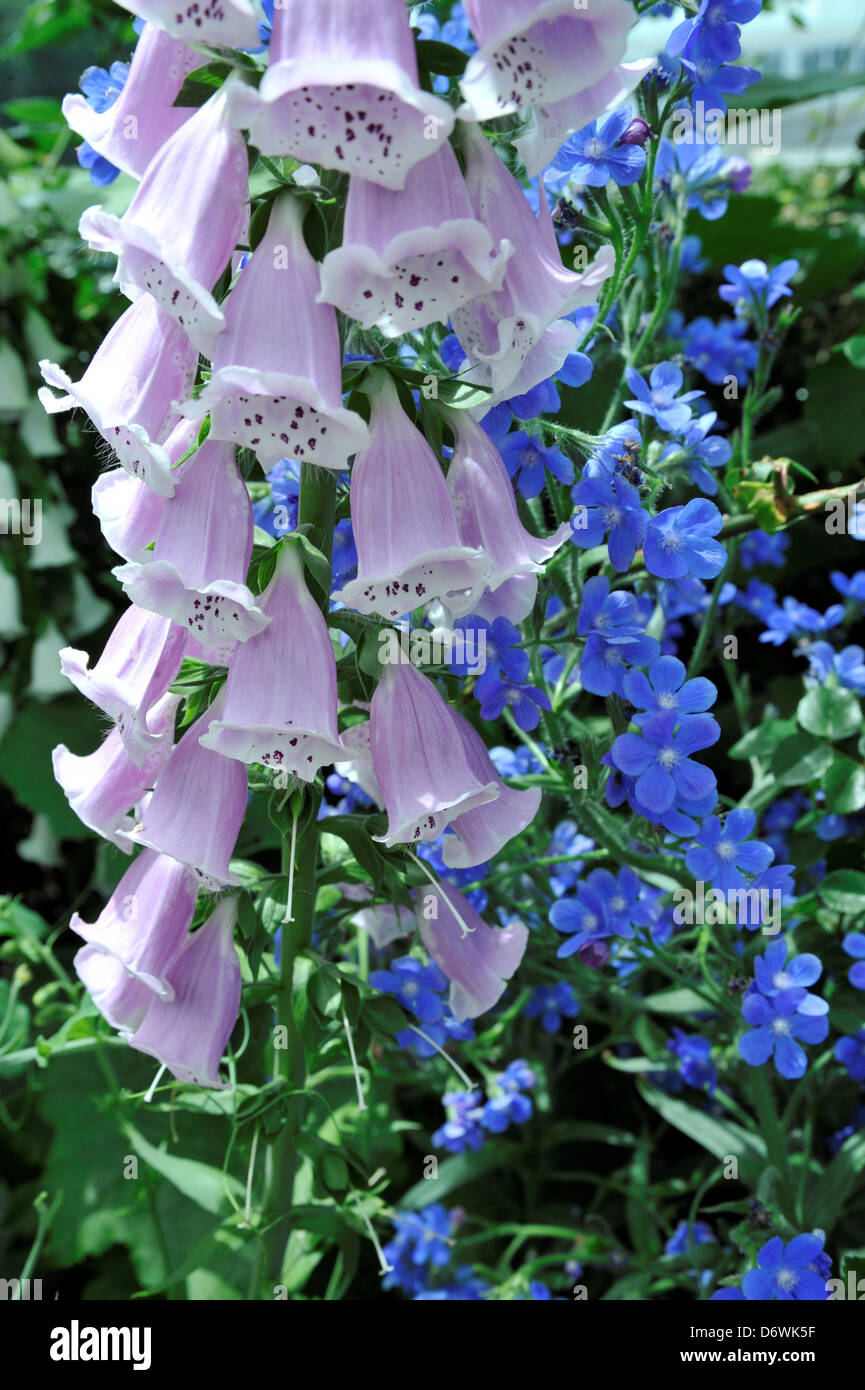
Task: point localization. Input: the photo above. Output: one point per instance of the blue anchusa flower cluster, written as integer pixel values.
(470, 1115)
(781, 1013)
(798, 1270)
(421, 989)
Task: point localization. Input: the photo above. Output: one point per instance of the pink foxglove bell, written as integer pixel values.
(533, 54)
(188, 1034)
(201, 556)
(121, 999)
(226, 23)
(102, 787)
(486, 509)
(410, 258)
(405, 529)
(420, 759)
(480, 833)
(554, 122)
(141, 659)
(145, 363)
(197, 807)
(519, 335)
(478, 963)
(276, 385)
(144, 116)
(145, 921)
(177, 235)
(280, 697)
(129, 511)
(341, 90)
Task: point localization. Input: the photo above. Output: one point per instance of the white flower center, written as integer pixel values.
(726, 850)
(667, 700)
(668, 757)
(781, 1027)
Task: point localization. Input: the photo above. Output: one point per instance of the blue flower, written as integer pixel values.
(691, 259)
(712, 85)
(723, 854)
(462, 1129)
(527, 460)
(679, 541)
(421, 1239)
(525, 701)
(613, 507)
(758, 599)
(659, 758)
(567, 839)
(720, 350)
(660, 398)
(416, 986)
(344, 553)
(702, 450)
(777, 1023)
(510, 1106)
(848, 665)
(666, 688)
(854, 945)
(583, 918)
(788, 1272)
(101, 90)
(514, 762)
(760, 549)
(278, 513)
(753, 286)
(714, 32)
(552, 1003)
(851, 1053)
(687, 1235)
(701, 170)
(593, 156)
(774, 975)
(795, 619)
(504, 655)
(695, 1060)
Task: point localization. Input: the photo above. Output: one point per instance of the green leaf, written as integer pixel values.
(854, 351)
(830, 712)
(317, 565)
(773, 92)
(441, 58)
(832, 1190)
(207, 1187)
(462, 395)
(456, 1172)
(843, 891)
(200, 84)
(844, 785)
(354, 832)
(25, 757)
(800, 759)
(720, 1137)
(763, 740)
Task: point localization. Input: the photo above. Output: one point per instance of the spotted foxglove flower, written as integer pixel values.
(188, 1033)
(202, 552)
(487, 515)
(279, 710)
(405, 528)
(276, 385)
(563, 60)
(478, 962)
(129, 511)
(197, 807)
(130, 131)
(479, 834)
(228, 23)
(518, 336)
(141, 658)
(143, 365)
(102, 787)
(341, 90)
(420, 760)
(177, 235)
(145, 921)
(411, 258)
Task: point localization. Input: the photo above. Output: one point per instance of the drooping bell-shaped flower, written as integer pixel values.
(177, 235)
(483, 498)
(201, 556)
(130, 132)
(341, 90)
(518, 336)
(555, 121)
(197, 807)
(420, 759)
(141, 658)
(226, 23)
(385, 923)
(405, 528)
(410, 258)
(145, 363)
(276, 385)
(120, 998)
(102, 787)
(536, 54)
(145, 921)
(129, 511)
(280, 706)
(188, 1034)
(480, 833)
(479, 962)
